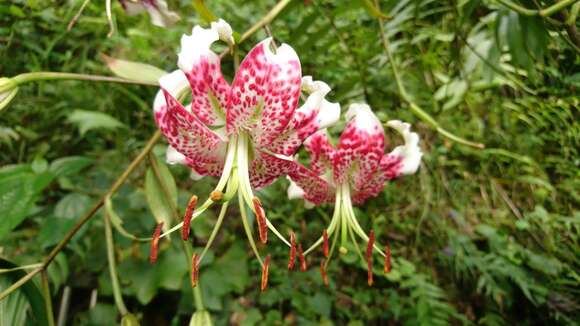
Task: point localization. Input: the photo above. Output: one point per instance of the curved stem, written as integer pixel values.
(265, 20)
(546, 12)
(118, 296)
(8, 270)
(50, 75)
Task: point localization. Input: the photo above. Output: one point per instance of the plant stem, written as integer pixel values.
(8, 270)
(415, 108)
(113, 267)
(198, 298)
(49, 75)
(265, 20)
(47, 298)
(546, 12)
(120, 180)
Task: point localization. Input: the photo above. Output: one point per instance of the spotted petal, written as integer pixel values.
(404, 159)
(307, 184)
(315, 114)
(360, 147)
(202, 148)
(265, 92)
(321, 152)
(209, 90)
(266, 168)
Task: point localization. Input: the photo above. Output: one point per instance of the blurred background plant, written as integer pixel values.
(480, 236)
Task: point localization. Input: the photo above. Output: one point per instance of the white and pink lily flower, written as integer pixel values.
(353, 171)
(245, 133)
(158, 11)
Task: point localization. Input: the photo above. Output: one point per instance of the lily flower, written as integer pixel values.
(158, 11)
(353, 171)
(245, 133)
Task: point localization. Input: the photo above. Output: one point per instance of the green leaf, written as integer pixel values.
(88, 120)
(72, 206)
(18, 192)
(132, 70)
(24, 306)
(67, 166)
(157, 191)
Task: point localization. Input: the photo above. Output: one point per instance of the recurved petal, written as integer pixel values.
(202, 67)
(202, 149)
(310, 186)
(360, 147)
(321, 152)
(404, 159)
(316, 113)
(266, 168)
(265, 92)
(158, 11)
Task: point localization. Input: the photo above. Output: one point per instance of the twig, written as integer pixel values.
(74, 20)
(265, 20)
(120, 180)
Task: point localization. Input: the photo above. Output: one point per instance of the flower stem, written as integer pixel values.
(49, 75)
(546, 12)
(8, 270)
(47, 298)
(265, 20)
(118, 296)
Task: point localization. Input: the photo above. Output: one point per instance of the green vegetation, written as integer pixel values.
(487, 236)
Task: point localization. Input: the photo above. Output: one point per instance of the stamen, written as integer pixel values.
(216, 195)
(325, 245)
(265, 268)
(155, 243)
(323, 273)
(292, 251)
(261, 219)
(187, 218)
(194, 270)
(370, 245)
(302, 259)
(387, 258)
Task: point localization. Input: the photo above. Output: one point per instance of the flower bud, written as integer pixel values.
(201, 318)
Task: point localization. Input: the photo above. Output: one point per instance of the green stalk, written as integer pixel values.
(546, 12)
(113, 267)
(47, 298)
(49, 75)
(247, 228)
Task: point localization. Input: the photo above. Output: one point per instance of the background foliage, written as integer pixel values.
(484, 237)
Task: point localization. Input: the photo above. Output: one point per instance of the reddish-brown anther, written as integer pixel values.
(370, 271)
(194, 270)
(325, 243)
(265, 268)
(302, 259)
(292, 251)
(370, 245)
(187, 218)
(387, 258)
(155, 243)
(261, 219)
(323, 273)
